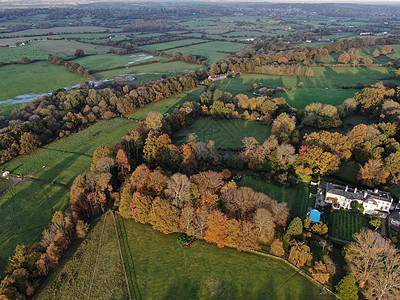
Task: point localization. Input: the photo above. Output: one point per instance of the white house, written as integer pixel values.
(374, 201)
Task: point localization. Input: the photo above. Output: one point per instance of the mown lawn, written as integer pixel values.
(93, 271)
(297, 197)
(227, 134)
(158, 268)
(106, 61)
(343, 224)
(36, 78)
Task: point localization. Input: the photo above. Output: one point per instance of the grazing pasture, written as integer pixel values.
(168, 45)
(37, 78)
(167, 105)
(296, 197)
(106, 61)
(227, 134)
(343, 224)
(168, 68)
(94, 270)
(324, 87)
(8, 54)
(66, 48)
(158, 268)
(57, 30)
(25, 210)
(214, 51)
(14, 41)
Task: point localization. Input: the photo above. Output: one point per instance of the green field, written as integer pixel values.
(62, 160)
(167, 45)
(14, 41)
(167, 105)
(227, 134)
(106, 61)
(343, 224)
(35, 78)
(323, 87)
(56, 30)
(214, 51)
(297, 197)
(168, 68)
(159, 268)
(95, 269)
(8, 54)
(25, 210)
(67, 48)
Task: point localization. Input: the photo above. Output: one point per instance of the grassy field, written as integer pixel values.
(323, 87)
(106, 61)
(67, 48)
(167, 45)
(67, 157)
(227, 134)
(63, 160)
(296, 197)
(169, 68)
(159, 268)
(8, 54)
(343, 224)
(35, 78)
(210, 50)
(167, 105)
(24, 211)
(94, 271)
(56, 30)
(14, 41)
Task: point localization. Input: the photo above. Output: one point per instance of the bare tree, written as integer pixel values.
(364, 255)
(285, 155)
(178, 190)
(264, 222)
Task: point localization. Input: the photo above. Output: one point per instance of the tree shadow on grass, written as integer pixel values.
(183, 289)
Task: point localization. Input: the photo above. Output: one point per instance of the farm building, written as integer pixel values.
(374, 202)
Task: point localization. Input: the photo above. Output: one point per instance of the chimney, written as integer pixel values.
(365, 194)
(355, 190)
(347, 187)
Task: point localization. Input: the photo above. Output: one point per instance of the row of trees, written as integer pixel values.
(51, 116)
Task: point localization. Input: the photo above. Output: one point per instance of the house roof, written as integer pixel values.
(395, 215)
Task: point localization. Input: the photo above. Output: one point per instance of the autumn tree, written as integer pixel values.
(123, 164)
(247, 239)
(140, 207)
(282, 127)
(29, 142)
(319, 228)
(300, 254)
(318, 161)
(376, 53)
(295, 227)
(320, 273)
(81, 229)
(178, 190)
(373, 173)
(125, 200)
(163, 216)
(216, 229)
(277, 248)
(100, 152)
(344, 58)
(347, 288)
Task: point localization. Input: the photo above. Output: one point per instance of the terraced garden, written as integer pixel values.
(343, 224)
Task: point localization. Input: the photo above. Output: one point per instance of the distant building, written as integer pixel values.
(373, 201)
(217, 77)
(5, 174)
